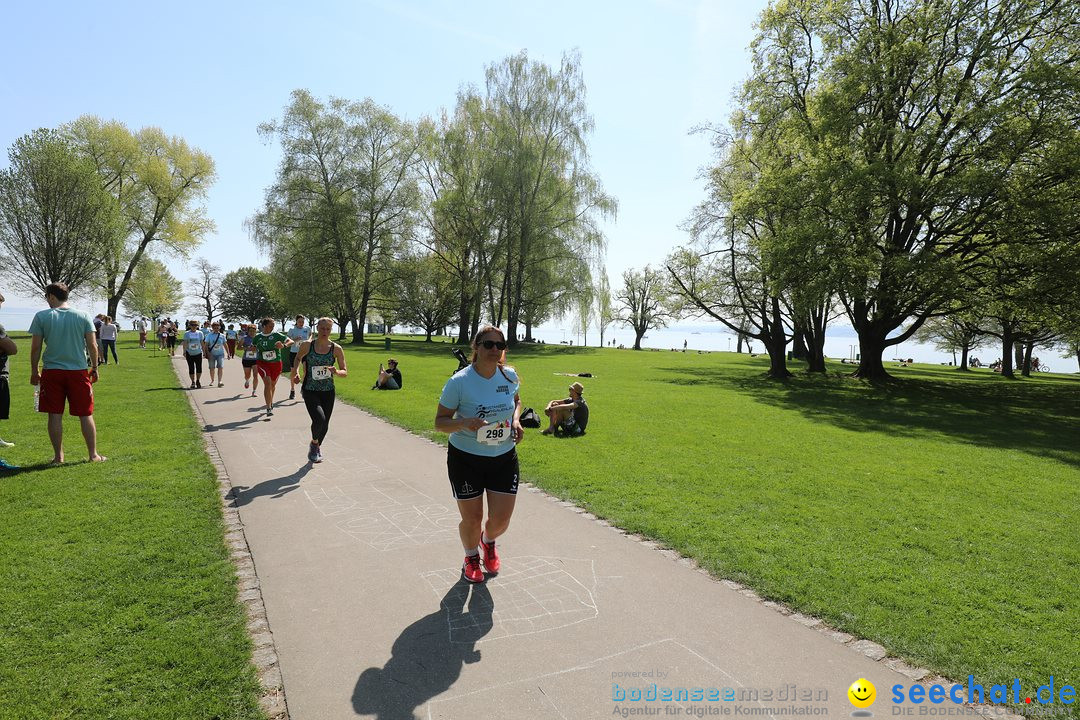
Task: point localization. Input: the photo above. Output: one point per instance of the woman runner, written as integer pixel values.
(214, 347)
(269, 344)
(249, 356)
(481, 410)
(193, 353)
(318, 357)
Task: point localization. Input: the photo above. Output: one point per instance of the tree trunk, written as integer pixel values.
(799, 350)
(964, 358)
(1078, 355)
(775, 341)
(637, 338)
(1007, 351)
(738, 343)
(464, 319)
(528, 331)
(815, 355)
(1018, 350)
(1028, 348)
(871, 348)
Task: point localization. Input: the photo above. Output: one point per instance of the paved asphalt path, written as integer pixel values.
(359, 563)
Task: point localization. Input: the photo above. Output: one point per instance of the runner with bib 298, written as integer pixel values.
(481, 410)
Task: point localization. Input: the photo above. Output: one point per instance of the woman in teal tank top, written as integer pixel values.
(318, 358)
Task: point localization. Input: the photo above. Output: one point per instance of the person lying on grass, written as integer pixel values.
(569, 415)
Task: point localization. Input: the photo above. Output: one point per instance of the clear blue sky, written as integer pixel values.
(211, 72)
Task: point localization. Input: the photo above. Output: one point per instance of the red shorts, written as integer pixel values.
(269, 371)
(74, 386)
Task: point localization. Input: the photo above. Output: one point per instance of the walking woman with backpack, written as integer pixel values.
(214, 347)
(318, 356)
(480, 409)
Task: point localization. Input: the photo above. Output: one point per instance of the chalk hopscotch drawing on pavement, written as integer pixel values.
(532, 594)
(387, 514)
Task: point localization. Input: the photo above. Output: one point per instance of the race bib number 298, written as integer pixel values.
(495, 434)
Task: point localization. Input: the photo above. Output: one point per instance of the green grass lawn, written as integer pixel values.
(937, 516)
(117, 597)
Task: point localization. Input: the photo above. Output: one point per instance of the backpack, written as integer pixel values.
(529, 418)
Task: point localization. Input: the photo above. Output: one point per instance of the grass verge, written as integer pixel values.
(936, 516)
(117, 596)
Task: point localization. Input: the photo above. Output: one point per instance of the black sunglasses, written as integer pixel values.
(488, 344)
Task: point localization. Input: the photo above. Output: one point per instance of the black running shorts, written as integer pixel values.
(470, 475)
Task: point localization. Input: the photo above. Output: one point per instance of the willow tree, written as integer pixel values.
(158, 183)
(458, 172)
(386, 196)
(549, 200)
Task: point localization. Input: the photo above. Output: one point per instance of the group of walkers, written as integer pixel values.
(479, 407)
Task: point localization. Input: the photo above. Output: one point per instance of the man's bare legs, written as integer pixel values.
(89, 432)
(556, 416)
(56, 436)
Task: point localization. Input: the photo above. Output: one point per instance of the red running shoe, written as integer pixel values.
(471, 569)
(491, 558)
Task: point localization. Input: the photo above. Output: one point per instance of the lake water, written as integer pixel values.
(840, 340)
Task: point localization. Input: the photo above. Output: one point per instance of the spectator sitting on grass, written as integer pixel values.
(390, 378)
(570, 415)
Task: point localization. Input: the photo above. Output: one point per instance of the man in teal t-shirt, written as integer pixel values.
(70, 344)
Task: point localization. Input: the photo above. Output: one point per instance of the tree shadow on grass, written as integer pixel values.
(274, 488)
(1039, 418)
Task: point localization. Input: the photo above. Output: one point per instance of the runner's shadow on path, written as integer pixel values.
(224, 399)
(424, 662)
(234, 425)
(164, 388)
(276, 487)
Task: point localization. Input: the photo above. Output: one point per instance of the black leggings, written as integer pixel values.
(320, 405)
(194, 364)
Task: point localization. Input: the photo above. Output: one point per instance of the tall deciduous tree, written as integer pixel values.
(246, 294)
(347, 184)
(206, 286)
(604, 309)
(549, 201)
(158, 183)
(387, 197)
(458, 174)
(913, 117)
(643, 302)
(153, 291)
(56, 222)
(425, 294)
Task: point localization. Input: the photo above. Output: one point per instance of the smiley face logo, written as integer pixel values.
(862, 693)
